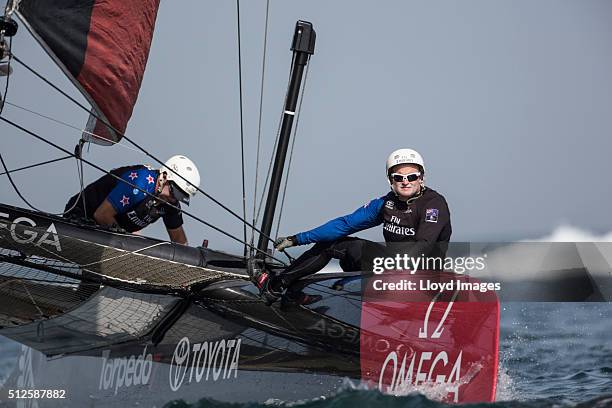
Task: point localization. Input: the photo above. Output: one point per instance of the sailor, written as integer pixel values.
(410, 213)
(115, 203)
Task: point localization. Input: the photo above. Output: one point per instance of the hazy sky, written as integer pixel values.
(508, 102)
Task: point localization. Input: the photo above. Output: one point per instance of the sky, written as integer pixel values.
(508, 102)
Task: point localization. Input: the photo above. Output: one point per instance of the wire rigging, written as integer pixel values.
(278, 131)
(31, 166)
(136, 145)
(3, 119)
(68, 125)
(297, 122)
(259, 122)
(12, 182)
(241, 127)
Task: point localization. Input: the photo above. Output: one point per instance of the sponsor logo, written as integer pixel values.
(209, 360)
(335, 330)
(440, 372)
(122, 372)
(431, 215)
(389, 204)
(133, 216)
(30, 236)
(396, 229)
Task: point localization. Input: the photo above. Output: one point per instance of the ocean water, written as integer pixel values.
(551, 355)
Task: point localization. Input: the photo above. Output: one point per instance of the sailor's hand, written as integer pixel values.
(283, 243)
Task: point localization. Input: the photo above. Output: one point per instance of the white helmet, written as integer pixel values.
(405, 156)
(189, 182)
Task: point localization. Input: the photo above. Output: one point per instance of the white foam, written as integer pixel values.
(568, 233)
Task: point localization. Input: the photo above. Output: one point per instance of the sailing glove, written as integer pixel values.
(282, 243)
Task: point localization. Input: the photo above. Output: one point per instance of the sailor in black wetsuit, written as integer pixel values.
(112, 202)
(409, 213)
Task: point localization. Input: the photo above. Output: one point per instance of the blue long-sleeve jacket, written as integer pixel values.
(367, 216)
(424, 218)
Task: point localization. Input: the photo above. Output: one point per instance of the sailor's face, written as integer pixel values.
(406, 189)
(166, 194)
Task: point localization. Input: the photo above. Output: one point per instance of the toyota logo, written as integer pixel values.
(179, 363)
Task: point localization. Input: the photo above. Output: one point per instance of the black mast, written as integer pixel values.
(303, 47)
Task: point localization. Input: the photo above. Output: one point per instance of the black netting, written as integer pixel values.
(74, 257)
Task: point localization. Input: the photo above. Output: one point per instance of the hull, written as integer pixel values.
(188, 324)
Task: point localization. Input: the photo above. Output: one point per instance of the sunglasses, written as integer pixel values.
(398, 178)
(179, 194)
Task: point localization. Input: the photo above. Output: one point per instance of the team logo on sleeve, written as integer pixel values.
(431, 215)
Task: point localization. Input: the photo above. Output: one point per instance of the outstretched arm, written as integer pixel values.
(364, 217)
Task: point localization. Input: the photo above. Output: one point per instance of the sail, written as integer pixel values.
(102, 46)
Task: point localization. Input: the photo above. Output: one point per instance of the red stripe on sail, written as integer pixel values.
(118, 45)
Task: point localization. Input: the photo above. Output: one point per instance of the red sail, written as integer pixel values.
(103, 46)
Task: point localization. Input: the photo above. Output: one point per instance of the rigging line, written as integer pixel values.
(136, 251)
(32, 298)
(36, 165)
(295, 130)
(261, 97)
(94, 114)
(8, 174)
(68, 125)
(280, 123)
(120, 179)
(8, 77)
(241, 128)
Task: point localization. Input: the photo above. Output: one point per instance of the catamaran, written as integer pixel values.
(106, 318)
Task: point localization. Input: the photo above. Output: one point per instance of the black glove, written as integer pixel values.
(283, 243)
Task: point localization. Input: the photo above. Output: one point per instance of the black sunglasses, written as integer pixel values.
(179, 194)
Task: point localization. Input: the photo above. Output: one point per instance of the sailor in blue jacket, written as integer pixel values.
(114, 200)
(410, 212)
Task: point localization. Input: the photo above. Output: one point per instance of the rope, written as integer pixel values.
(8, 174)
(36, 165)
(261, 97)
(278, 130)
(120, 179)
(68, 125)
(297, 121)
(241, 128)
